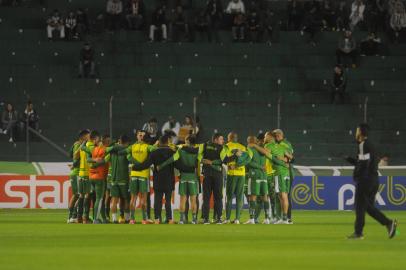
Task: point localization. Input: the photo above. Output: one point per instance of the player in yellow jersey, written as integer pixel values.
(139, 182)
(84, 183)
(74, 175)
(235, 176)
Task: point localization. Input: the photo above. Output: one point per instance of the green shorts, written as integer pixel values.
(119, 191)
(257, 187)
(84, 185)
(282, 183)
(139, 185)
(188, 187)
(74, 184)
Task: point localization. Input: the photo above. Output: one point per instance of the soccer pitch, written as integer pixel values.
(40, 239)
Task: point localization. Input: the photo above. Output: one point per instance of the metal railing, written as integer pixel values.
(42, 137)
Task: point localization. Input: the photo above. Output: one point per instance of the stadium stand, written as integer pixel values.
(238, 85)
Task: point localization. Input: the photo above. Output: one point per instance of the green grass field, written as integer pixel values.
(40, 239)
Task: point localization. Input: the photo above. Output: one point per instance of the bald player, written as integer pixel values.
(257, 181)
(283, 152)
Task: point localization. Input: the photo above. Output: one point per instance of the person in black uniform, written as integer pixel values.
(366, 185)
(164, 180)
(213, 177)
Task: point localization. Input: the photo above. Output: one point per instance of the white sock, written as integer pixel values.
(127, 216)
(114, 215)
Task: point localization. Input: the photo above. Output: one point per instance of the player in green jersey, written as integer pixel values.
(284, 153)
(289, 155)
(257, 182)
(74, 174)
(119, 178)
(84, 183)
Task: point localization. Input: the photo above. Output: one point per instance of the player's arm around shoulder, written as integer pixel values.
(170, 160)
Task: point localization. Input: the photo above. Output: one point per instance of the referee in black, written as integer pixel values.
(367, 184)
(213, 177)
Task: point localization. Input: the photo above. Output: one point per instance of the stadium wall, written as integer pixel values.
(308, 192)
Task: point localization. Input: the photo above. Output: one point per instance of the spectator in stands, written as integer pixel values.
(236, 10)
(188, 128)
(342, 15)
(201, 25)
(397, 17)
(179, 25)
(338, 85)
(135, 14)
(82, 23)
(373, 15)
(328, 13)
(158, 22)
(254, 27)
(357, 13)
(171, 126)
(347, 47)
(87, 63)
(189, 124)
(312, 24)
(55, 22)
(114, 11)
(271, 24)
(151, 127)
(31, 115)
(9, 120)
(70, 26)
(371, 45)
(295, 12)
(214, 13)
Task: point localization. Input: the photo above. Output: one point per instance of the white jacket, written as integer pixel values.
(235, 7)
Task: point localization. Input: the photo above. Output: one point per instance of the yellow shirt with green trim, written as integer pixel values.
(228, 152)
(84, 165)
(139, 152)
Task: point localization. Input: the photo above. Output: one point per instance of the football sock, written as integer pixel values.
(80, 207)
(266, 209)
(258, 209)
(86, 205)
(182, 216)
(252, 209)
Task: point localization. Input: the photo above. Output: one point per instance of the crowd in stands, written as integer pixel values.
(178, 131)
(13, 123)
(249, 20)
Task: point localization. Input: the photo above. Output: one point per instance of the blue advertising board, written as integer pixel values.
(337, 193)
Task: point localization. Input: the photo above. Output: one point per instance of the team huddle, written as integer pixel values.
(114, 178)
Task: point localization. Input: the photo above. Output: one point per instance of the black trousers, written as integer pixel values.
(149, 205)
(365, 193)
(158, 204)
(213, 184)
